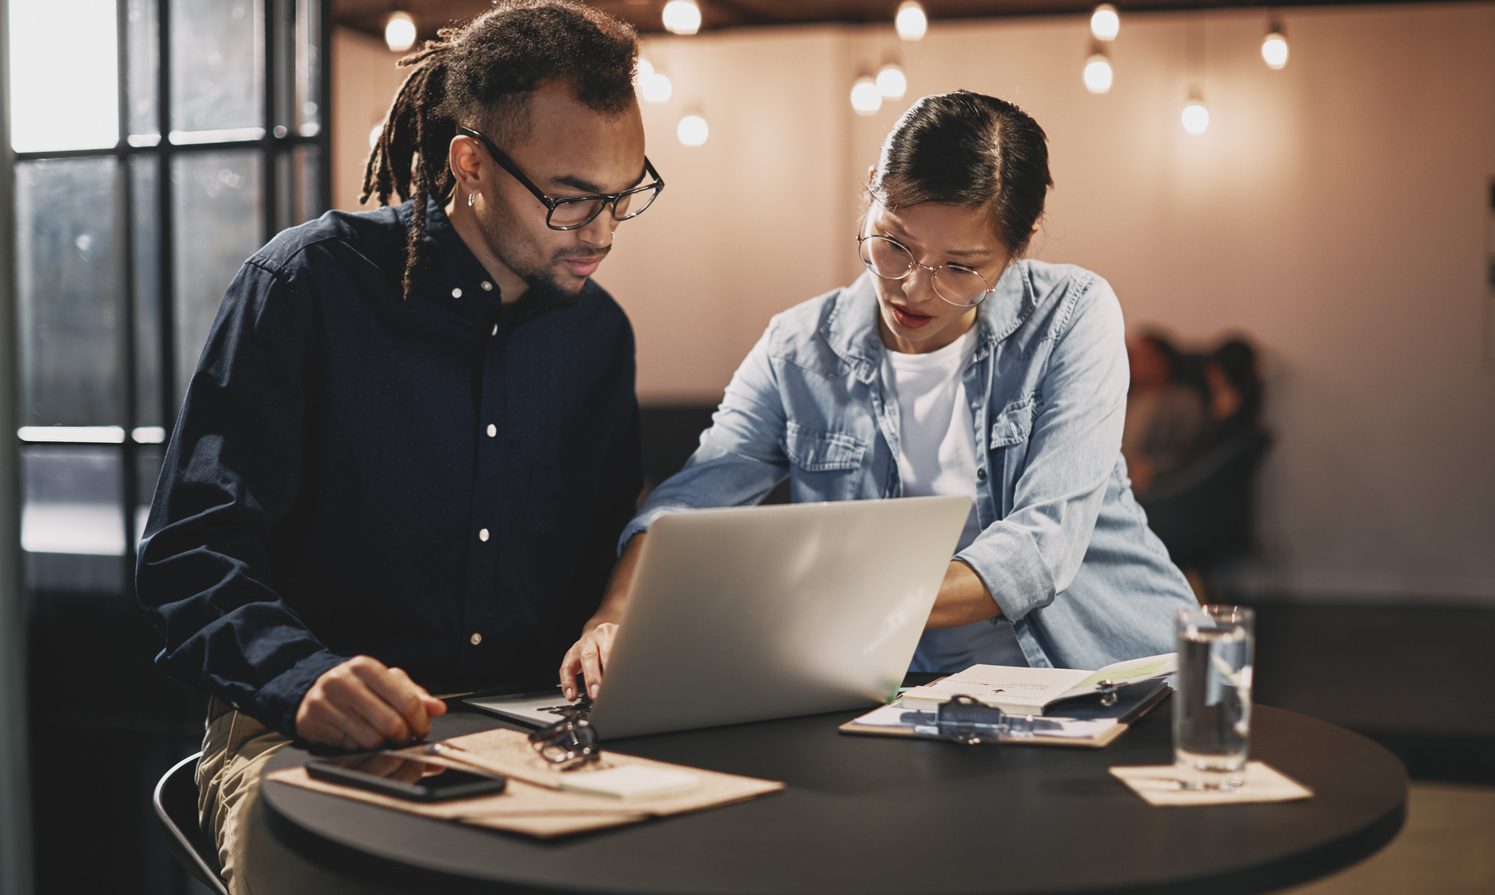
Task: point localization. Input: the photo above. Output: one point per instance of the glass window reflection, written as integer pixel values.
(83, 80)
(217, 70)
(68, 274)
(217, 203)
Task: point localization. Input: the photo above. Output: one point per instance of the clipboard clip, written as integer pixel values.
(1108, 691)
(965, 720)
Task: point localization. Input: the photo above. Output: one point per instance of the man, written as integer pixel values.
(412, 438)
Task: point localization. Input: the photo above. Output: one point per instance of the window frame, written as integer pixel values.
(277, 157)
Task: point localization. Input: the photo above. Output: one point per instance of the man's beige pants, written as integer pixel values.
(234, 751)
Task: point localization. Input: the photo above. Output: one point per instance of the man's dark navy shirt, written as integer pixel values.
(438, 483)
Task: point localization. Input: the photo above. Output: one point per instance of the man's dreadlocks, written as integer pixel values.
(481, 74)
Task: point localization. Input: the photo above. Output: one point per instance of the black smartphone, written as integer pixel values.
(404, 777)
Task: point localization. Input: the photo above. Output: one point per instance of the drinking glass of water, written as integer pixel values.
(1212, 706)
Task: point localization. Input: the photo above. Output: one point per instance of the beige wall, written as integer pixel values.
(1336, 211)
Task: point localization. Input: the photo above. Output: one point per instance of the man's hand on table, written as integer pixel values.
(362, 704)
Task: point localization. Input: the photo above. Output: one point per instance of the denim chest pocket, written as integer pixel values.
(1013, 425)
(814, 451)
(1010, 430)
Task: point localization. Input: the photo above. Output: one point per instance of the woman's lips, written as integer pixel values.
(908, 319)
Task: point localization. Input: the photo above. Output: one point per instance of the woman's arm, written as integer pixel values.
(740, 459)
(1032, 554)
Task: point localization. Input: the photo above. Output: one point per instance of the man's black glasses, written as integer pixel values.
(575, 212)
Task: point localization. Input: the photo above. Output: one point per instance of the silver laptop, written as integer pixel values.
(750, 613)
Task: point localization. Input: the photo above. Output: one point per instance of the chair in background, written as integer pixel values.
(175, 800)
(1205, 513)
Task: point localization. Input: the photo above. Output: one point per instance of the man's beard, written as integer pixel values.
(544, 290)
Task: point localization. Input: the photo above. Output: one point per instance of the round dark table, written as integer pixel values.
(883, 815)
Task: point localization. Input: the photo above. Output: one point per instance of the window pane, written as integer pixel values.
(217, 207)
(308, 65)
(307, 177)
(68, 271)
(63, 96)
(144, 69)
(72, 526)
(217, 70)
(298, 198)
(70, 501)
(147, 273)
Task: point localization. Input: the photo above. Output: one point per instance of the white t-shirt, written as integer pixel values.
(937, 441)
(937, 456)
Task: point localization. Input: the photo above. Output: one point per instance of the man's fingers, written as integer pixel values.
(356, 699)
(402, 694)
(351, 731)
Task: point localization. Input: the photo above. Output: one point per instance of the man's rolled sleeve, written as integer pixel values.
(233, 469)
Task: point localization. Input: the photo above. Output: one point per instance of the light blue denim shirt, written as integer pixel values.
(1064, 548)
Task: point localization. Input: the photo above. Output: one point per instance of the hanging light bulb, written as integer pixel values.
(892, 83)
(645, 71)
(866, 99)
(681, 17)
(1098, 73)
(1105, 24)
(1274, 47)
(658, 88)
(1195, 117)
(399, 32)
(692, 130)
(911, 22)
(374, 134)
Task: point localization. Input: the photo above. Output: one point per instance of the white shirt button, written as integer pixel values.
(456, 293)
(475, 639)
(495, 329)
(483, 534)
(487, 285)
(492, 430)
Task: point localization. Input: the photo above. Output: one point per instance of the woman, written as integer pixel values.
(953, 366)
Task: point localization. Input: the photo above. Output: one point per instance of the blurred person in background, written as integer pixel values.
(1233, 382)
(1164, 416)
(1205, 509)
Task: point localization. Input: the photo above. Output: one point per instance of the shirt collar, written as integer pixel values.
(852, 329)
(451, 275)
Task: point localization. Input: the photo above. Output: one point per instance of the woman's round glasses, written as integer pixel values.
(955, 284)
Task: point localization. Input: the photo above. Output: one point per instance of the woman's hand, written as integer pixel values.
(588, 657)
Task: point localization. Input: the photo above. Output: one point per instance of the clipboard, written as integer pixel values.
(972, 723)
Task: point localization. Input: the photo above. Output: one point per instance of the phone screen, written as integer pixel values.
(403, 775)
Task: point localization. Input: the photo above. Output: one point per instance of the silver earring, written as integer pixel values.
(472, 199)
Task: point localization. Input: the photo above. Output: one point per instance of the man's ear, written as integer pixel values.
(465, 162)
(871, 174)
